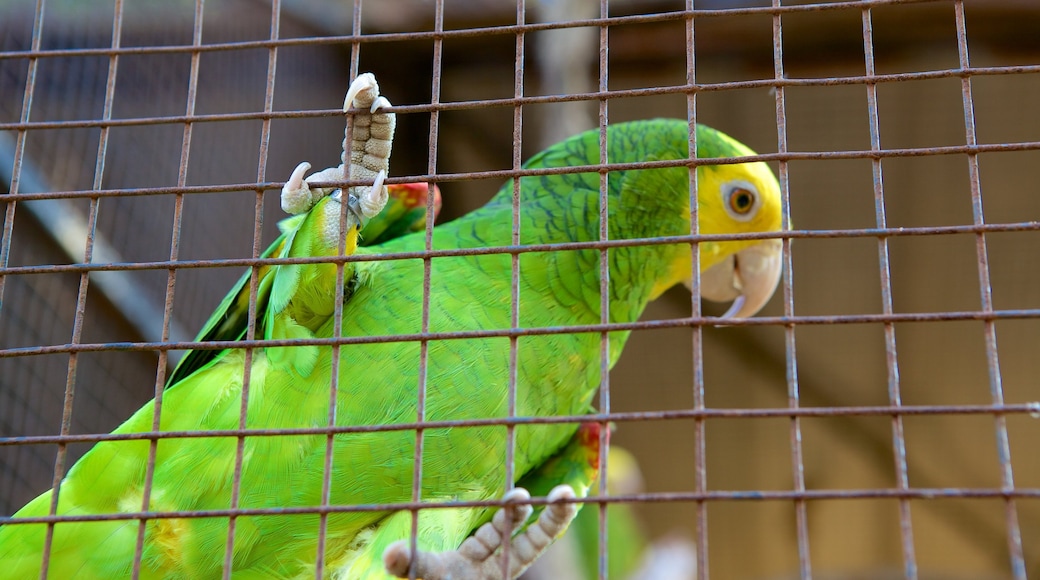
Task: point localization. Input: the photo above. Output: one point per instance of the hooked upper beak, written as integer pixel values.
(748, 278)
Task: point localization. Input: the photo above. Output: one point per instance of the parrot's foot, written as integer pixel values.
(368, 153)
(371, 140)
(365, 202)
(475, 559)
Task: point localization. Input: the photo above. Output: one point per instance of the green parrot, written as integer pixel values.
(378, 383)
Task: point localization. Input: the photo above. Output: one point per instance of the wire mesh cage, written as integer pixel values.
(867, 423)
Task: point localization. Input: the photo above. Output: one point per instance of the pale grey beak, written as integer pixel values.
(748, 278)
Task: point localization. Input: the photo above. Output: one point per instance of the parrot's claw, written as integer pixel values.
(366, 156)
(379, 103)
(364, 83)
(373, 200)
(296, 194)
(475, 559)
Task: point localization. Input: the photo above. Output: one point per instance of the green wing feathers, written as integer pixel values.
(405, 212)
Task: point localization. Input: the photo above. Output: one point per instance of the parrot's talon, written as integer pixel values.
(380, 103)
(363, 82)
(296, 193)
(476, 558)
(374, 200)
(368, 201)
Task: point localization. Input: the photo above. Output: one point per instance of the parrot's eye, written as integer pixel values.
(740, 200)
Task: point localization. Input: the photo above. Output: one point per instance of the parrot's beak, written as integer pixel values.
(748, 278)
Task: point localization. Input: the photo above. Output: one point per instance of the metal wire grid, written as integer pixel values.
(700, 413)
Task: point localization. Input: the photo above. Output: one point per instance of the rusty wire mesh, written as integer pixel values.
(125, 156)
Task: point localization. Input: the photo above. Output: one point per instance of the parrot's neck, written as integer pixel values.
(640, 273)
(637, 273)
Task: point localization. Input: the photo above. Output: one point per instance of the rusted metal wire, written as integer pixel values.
(961, 72)
(603, 68)
(791, 370)
(442, 34)
(885, 277)
(337, 317)
(171, 280)
(654, 497)
(81, 297)
(510, 173)
(697, 336)
(424, 345)
(1014, 533)
(706, 413)
(795, 411)
(514, 266)
(692, 322)
(556, 247)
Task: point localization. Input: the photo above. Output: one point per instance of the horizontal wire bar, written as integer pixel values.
(945, 316)
(507, 30)
(649, 497)
(537, 99)
(526, 249)
(540, 171)
(1031, 409)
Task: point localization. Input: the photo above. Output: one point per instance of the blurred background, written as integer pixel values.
(938, 363)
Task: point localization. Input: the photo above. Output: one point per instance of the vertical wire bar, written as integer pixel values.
(242, 412)
(5, 243)
(331, 418)
(514, 286)
(700, 474)
(236, 481)
(160, 375)
(604, 288)
(84, 281)
(19, 147)
(337, 322)
(424, 344)
(793, 390)
(247, 361)
(1018, 566)
(891, 353)
(12, 196)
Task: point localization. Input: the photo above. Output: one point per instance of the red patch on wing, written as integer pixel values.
(414, 194)
(588, 434)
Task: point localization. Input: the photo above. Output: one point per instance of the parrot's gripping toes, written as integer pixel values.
(367, 151)
(476, 557)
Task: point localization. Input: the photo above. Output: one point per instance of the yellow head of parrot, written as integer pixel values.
(739, 198)
(736, 198)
